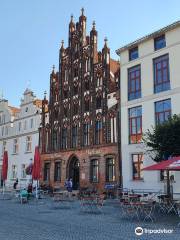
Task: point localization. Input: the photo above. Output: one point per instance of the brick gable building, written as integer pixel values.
(78, 136)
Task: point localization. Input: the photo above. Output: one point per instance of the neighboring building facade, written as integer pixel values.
(19, 135)
(150, 93)
(79, 131)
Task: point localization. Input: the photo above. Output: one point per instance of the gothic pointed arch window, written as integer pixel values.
(99, 80)
(86, 133)
(75, 88)
(98, 132)
(47, 140)
(64, 137)
(113, 127)
(98, 101)
(74, 136)
(55, 139)
(65, 91)
(87, 103)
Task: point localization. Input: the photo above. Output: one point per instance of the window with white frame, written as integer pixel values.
(3, 147)
(2, 131)
(28, 144)
(31, 123)
(6, 130)
(25, 125)
(15, 146)
(14, 171)
(23, 171)
(19, 126)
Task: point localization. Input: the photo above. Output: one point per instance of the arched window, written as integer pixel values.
(65, 93)
(74, 136)
(47, 141)
(55, 140)
(86, 105)
(65, 111)
(98, 102)
(75, 89)
(86, 130)
(113, 130)
(99, 81)
(94, 170)
(86, 85)
(57, 171)
(75, 108)
(75, 72)
(64, 138)
(98, 132)
(110, 170)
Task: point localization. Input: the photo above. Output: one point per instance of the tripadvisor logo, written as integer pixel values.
(138, 231)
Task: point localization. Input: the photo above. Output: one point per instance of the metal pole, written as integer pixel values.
(3, 186)
(168, 185)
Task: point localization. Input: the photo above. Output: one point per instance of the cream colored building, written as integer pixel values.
(150, 92)
(19, 135)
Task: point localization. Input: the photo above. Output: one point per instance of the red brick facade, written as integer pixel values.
(84, 156)
(79, 122)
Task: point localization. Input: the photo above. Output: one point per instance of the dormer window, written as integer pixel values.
(159, 42)
(133, 53)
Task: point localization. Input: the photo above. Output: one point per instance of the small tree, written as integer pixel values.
(164, 139)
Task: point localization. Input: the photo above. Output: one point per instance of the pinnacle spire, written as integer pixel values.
(82, 11)
(94, 25)
(45, 94)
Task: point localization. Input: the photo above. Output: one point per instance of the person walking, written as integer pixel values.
(69, 187)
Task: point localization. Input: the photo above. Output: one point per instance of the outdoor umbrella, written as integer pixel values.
(36, 168)
(172, 164)
(4, 168)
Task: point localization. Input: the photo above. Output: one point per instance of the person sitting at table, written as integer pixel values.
(30, 188)
(24, 195)
(15, 183)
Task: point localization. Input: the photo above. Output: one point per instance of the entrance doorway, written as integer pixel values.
(74, 172)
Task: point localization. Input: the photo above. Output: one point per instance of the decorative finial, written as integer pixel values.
(45, 94)
(71, 17)
(53, 67)
(94, 24)
(82, 11)
(62, 43)
(105, 41)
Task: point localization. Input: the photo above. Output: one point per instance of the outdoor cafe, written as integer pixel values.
(149, 204)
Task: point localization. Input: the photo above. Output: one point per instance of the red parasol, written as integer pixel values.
(172, 164)
(37, 165)
(5, 166)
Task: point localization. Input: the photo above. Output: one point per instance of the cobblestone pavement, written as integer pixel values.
(46, 221)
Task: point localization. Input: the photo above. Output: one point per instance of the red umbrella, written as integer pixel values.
(172, 164)
(36, 171)
(5, 166)
(37, 165)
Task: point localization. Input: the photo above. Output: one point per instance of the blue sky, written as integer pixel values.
(31, 32)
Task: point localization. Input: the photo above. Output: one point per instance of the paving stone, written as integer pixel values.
(42, 221)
